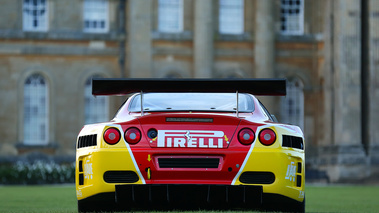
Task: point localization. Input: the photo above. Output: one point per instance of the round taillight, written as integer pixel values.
(267, 137)
(132, 135)
(246, 136)
(112, 136)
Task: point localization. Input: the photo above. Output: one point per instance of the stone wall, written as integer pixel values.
(326, 59)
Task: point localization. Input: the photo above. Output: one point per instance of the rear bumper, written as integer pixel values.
(276, 171)
(191, 196)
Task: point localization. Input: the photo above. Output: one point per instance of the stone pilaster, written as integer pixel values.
(203, 39)
(264, 48)
(264, 53)
(374, 87)
(139, 39)
(344, 157)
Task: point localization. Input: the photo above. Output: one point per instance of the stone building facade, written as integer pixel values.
(50, 49)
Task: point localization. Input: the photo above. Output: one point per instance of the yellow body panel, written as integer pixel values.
(282, 165)
(94, 167)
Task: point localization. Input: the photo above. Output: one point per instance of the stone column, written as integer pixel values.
(203, 39)
(374, 89)
(264, 49)
(344, 157)
(264, 54)
(139, 39)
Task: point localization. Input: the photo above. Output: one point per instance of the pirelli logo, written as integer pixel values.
(192, 139)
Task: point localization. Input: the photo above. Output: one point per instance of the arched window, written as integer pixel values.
(36, 110)
(96, 108)
(292, 106)
(231, 15)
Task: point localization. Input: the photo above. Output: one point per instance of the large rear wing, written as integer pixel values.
(123, 86)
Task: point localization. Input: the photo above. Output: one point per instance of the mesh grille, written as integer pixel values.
(87, 140)
(257, 177)
(298, 180)
(293, 142)
(120, 177)
(188, 162)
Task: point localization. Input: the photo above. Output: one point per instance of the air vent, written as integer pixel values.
(257, 177)
(188, 162)
(87, 140)
(293, 142)
(298, 180)
(299, 167)
(80, 166)
(81, 179)
(120, 177)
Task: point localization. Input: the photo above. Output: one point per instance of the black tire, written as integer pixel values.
(95, 207)
(83, 206)
(282, 204)
(300, 207)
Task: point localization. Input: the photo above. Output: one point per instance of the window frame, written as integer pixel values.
(290, 21)
(29, 19)
(165, 18)
(295, 93)
(91, 102)
(33, 136)
(227, 23)
(88, 15)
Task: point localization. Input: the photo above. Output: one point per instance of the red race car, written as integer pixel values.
(190, 144)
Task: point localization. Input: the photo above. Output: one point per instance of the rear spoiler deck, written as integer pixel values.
(123, 86)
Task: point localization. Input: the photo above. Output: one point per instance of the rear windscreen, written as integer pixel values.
(224, 102)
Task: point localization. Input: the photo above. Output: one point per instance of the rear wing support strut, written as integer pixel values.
(237, 104)
(141, 103)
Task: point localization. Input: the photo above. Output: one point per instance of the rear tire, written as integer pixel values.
(83, 207)
(282, 204)
(95, 207)
(300, 207)
(294, 207)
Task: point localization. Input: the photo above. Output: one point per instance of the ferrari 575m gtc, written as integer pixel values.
(190, 144)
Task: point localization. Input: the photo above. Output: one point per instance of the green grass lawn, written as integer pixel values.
(62, 199)
(38, 198)
(342, 199)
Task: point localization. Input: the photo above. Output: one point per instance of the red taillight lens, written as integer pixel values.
(132, 135)
(246, 136)
(267, 137)
(112, 136)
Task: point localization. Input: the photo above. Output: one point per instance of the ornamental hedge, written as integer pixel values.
(37, 172)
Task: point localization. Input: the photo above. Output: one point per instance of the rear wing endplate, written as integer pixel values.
(123, 86)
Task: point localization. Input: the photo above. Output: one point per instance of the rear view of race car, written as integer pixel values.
(190, 144)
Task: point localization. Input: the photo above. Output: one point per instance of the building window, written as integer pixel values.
(95, 16)
(293, 104)
(231, 15)
(35, 15)
(36, 110)
(96, 108)
(292, 17)
(170, 16)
